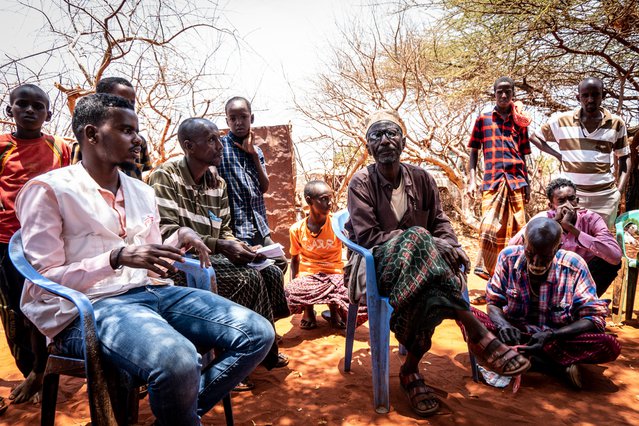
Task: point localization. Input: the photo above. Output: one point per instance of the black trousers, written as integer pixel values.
(603, 273)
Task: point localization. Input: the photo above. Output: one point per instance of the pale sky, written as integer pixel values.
(281, 42)
(284, 40)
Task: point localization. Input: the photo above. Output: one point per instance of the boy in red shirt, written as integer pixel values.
(24, 154)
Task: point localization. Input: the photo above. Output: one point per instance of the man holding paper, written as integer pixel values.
(190, 193)
(269, 254)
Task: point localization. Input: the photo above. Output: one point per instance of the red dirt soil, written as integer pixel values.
(314, 389)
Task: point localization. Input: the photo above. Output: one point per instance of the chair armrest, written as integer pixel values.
(80, 300)
(196, 276)
(338, 222)
(100, 402)
(619, 235)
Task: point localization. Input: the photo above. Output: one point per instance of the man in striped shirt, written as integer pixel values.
(190, 193)
(587, 138)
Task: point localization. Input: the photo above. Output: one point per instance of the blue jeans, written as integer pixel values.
(154, 333)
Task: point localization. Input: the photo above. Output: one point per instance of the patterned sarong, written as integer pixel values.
(421, 287)
(321, 289)
(585, 348)
(503, 215)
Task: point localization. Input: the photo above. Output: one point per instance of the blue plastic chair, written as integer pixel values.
(90, 366)
(629, 283)
(379, 312)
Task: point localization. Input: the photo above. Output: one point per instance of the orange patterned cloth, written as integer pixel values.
(503, 215)
(521, 117)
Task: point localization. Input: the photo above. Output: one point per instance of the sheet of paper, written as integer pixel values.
(273, 250)
(261, 265)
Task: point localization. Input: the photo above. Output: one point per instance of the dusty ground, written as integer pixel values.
(314, 389)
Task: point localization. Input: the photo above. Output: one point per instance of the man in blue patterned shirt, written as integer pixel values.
(244, 170)
(545, 298)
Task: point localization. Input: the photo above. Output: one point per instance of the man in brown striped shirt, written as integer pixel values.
(587, 137)
(189, 192)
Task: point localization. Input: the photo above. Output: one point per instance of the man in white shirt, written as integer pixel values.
(94, 229)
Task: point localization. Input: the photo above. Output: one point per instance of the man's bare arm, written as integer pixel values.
(623, 163)
(471, 190)
(544, 147)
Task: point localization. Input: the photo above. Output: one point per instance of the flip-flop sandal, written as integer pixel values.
(481, 274)
(479, 300)
(3, 406)
(282, 360)
(308, 325)
(574, 376)
(245, 385)
(417, 392)
(339, 324)
(495, 355)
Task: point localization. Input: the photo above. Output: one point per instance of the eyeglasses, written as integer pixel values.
(377, 135)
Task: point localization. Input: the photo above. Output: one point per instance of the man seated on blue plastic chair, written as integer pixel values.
(395, 211)
(190, 194)
(94, 229)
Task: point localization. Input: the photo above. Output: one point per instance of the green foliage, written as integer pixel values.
(547, 46)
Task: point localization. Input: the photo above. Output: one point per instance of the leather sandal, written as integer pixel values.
(245, 385)
(496, 356)
(418, 393)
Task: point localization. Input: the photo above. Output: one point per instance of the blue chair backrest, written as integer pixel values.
(23, 266)
(338, 222)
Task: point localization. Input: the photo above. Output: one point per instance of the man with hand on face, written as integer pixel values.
(92, 228)
(544, 297)
(584, 233)
(190, 193)
(243, 168)
(587, 138)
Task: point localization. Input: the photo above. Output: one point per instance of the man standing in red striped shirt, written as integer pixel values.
(504, 190)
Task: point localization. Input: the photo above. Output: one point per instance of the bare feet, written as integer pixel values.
(28, 389)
